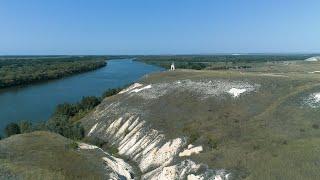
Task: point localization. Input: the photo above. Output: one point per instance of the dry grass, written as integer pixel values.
(44, 155)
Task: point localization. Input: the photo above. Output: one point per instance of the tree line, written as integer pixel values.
(16, 71)
(199, 62)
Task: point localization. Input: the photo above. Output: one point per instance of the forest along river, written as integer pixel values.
(37, 102)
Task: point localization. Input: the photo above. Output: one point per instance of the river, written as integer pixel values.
(37, 102)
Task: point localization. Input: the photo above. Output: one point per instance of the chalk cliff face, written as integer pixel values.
(156, 156)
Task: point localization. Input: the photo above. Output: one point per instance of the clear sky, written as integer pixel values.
(158, 26)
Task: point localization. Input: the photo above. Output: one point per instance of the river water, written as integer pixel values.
(37, 102)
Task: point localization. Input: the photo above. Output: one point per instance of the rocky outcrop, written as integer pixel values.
(157, 157)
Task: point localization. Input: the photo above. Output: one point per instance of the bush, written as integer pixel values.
(79, 115)
(41, 126)
(73, 145)
(66, 109)
(95, 141)
(193, 137)
(110, 92)
(113, 150)
(62, 126)
(315, 126)
(12, 129)
(25, 126)
(213, 144)
(190, 130)
(101, 144)
(88, 103)
(64, 120)
(77, 132)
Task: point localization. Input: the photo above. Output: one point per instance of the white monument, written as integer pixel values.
(172, 68)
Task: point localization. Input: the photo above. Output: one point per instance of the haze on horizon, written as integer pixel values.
(158, 27)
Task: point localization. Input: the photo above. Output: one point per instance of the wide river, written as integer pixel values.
(37, 102)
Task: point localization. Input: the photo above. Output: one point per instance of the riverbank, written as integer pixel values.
(37, 102)
(24, 71)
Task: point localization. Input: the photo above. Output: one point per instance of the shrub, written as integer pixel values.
(190, 130)
(77, 131)
(256, 147)
(79, 115)
(63, 126)
(193, 137)
(110, 92)
(41, 126)
(315, 126)
(213, 144)
(95, 141)
(12, 129)
(127, 131)
(25, 126)
(285, 142)
(113, 150)
(59, 124)
(88, 103)
(73, 145)
(66, 109)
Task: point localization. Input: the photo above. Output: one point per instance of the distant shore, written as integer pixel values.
(20, 72)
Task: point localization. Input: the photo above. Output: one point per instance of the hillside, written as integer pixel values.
(44, 155)
(259, 123)
(242, 125)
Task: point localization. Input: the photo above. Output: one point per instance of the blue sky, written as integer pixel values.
(159, 26)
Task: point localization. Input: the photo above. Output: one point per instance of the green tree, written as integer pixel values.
(88, 103)
(12, 129)
(77, 131)
(110, 92)
(62, 125)
(66, 109)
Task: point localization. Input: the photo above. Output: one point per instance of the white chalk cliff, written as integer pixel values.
(157, 156)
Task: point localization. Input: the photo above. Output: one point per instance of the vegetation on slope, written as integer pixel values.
(38, 151)
(16, 71)
(65, 120)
